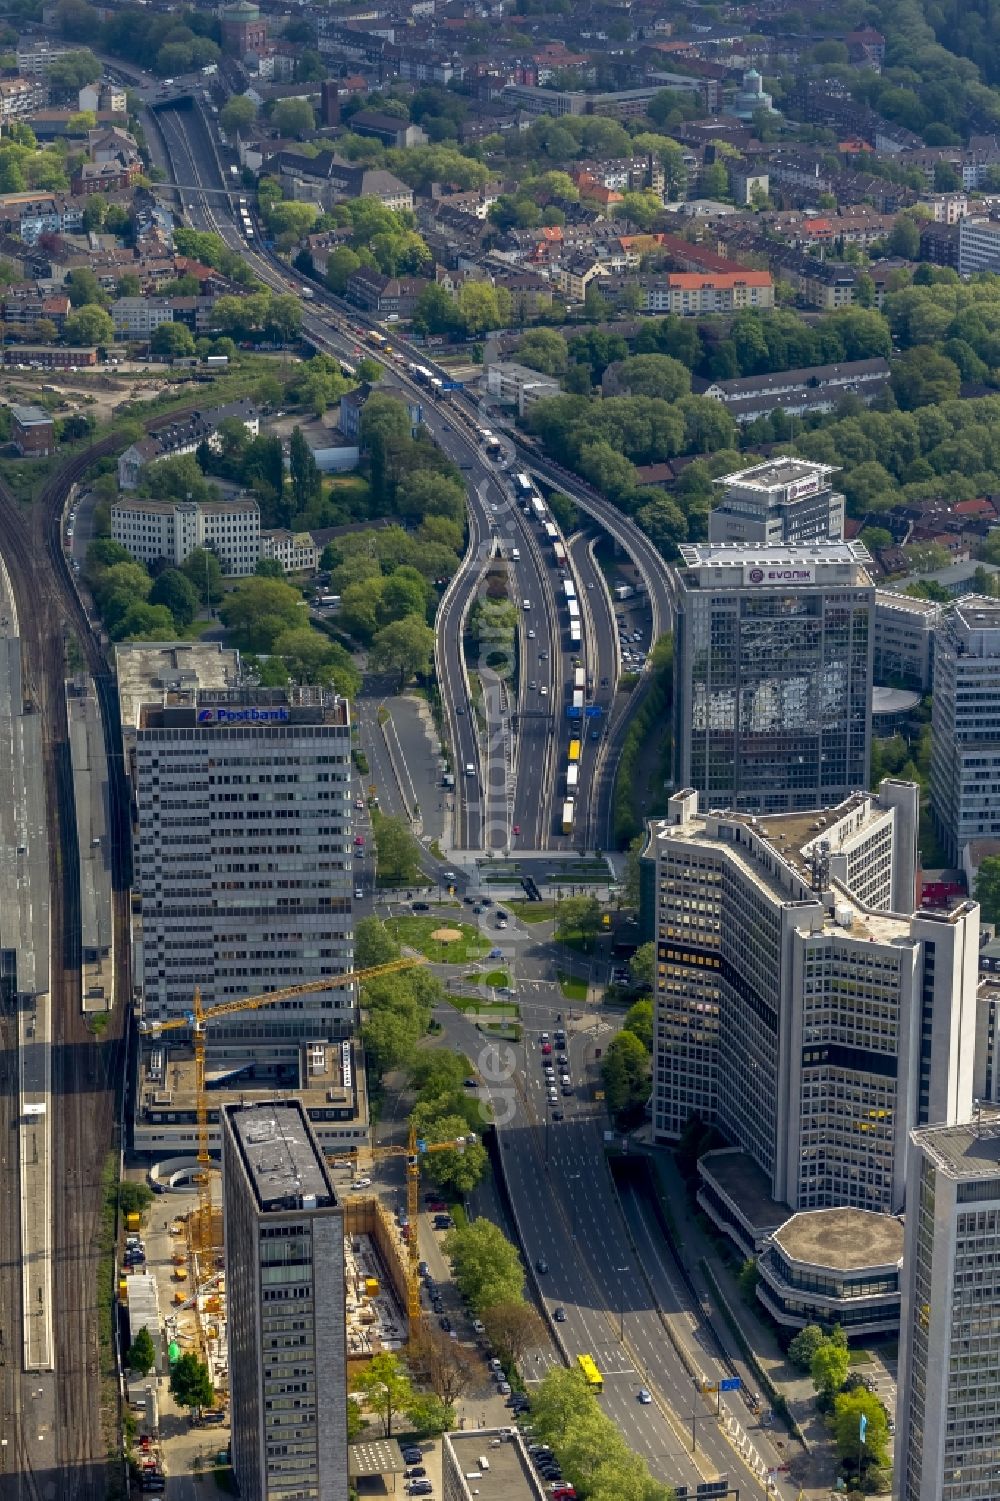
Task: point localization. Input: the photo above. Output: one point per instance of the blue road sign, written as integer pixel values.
(730, 1384)
(593, 711)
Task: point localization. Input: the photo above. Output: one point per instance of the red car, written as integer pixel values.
(516, 829)
(546, 1049)
(437, 1206)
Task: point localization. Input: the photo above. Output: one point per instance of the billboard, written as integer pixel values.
(243, 714)
(769, 575)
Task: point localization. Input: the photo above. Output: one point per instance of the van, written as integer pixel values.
(483, 1462)
(470, 770)
(515, 553)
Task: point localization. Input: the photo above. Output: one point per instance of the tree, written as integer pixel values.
(829, 1367)
(625, 1073)
(190, 1382)
(513, 1328)
(643, 966)
(560, 1401)
(405, 646)
(579, 918)
(104, 552)
(488, 1268)
(293, 117)
(341, 265)
(143, 622)
(921, 377)
(141, 1356)
(134, 1197)
(987, 888)
(179, 595)
(307, 483)
(639, 1021)
(544, 349)
(747, 1279)
(386, 1388)
(259, 610)
(87, 326)
(172, 341)
(849, 1408)
(374, 944)
(654, 375)
(83, 288)
(237, 113)
(458, 1168)
(204, 570)
(804, 1346)
(904, 238)
(397, 852)
(355, 1421)
(429, 1415)
(74, 69)
(448, 1367)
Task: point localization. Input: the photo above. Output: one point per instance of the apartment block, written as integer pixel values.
(773, 674)
(978, 245)
(284, 1237)
(802, 1005)
(965, 728)
(518, 386)
(689, 292)
(783, 502)
(154, 530)
(948, 1430)
(242, 846)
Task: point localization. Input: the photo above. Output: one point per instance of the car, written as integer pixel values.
(562, 1060)
(419, 1488)
(359, 841)
(420, 906)
(644, 1396)
(501, 922)
(478, 1327)
(504, 1388)
(543, 1037)
(567, 1090)
(362, 1183)
(359, 892)
(449, 875)
(359, 802)
(541, 1265)
(605, 682)
(515, 828)
(546, 1048)
(544, 690)
(444, 1322)
(470, 1083)
(531, 635)
(443, 1222)
(423, 1270)
(543, 656)
(560, 1036)
(565, 1079)
(558, 1115)
(417, 1473)
(438, 1305)
(412, 1455)
(532, 685)
(459, 708)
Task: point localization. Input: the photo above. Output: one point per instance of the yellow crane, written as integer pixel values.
(200, 1018)
(417, 1147)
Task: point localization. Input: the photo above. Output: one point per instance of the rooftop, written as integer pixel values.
(965, 1152)
(889, 599)
(282, 1159)
(747, 1185)
(976, 612)
(26, 416)
(782, 562)
(842, 1239)
(147, 670)
(775, 474)
(510, 1476)
(330, 1079)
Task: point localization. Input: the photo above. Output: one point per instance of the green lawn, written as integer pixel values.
(416, 932)
(572, 988)
(496, 1010)
(496, 977)
(533, 911)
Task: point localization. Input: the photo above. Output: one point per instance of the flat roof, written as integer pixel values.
(30, 416)
(147, 670)
(773, 474)
(331, 1077)
(374, 1456)
(965, 1152)
(894, 700)
(510, 1476)
(749, 1187)
(842, 1239)
(888, 599)
(740, 555)
(978, 612)
(282, 1158)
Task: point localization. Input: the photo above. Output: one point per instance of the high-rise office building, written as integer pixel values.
(783, 502)
(965, 733)
(801, 1005)
(242, 846)
(948, 1416)
(284, 1235)
(773, 674)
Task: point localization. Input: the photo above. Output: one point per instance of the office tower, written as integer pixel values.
(773, 674)
(784, 502)
(904, 633)
(965, 733)
(801, 1005)
(948, 1421)
(284, 1235)
(242, 848)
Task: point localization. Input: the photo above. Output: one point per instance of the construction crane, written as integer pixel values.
(200, 1018)
(417, 1147)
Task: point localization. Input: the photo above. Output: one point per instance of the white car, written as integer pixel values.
(362, 1183)
(359, 892)
(544, 691)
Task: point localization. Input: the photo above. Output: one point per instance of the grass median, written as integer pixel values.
(459, 943)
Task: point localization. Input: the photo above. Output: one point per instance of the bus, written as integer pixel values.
(591, 1374)
(567, 828)
(523, 488)
(574, 750)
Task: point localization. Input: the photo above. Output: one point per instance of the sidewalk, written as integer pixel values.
(813, 1466)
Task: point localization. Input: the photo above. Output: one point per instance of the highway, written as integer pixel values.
(514, 746)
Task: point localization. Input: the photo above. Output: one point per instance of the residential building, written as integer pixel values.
(389, 129)
(140, 317)
(689, 293)
(104, 177)
(328, 179)
(48, 357)
(782, 502)
(35, 58)
(814, 389)
(508, 1474)
(154, 530)
(802, 1005)
(384, 296)
(903, 635)
(295, 551)
(20, 97)
(772, 674)
(945, 208)
(948, 1435)
(627, 104)
(978, 245)
(242, 852)
(284, 1239)
(352, 404)
(32, 431)
(746, 182)
(965, 727)
(518, 386)
(182, 436)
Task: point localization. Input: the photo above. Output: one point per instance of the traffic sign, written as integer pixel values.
(730, 1384)
(593, 711)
